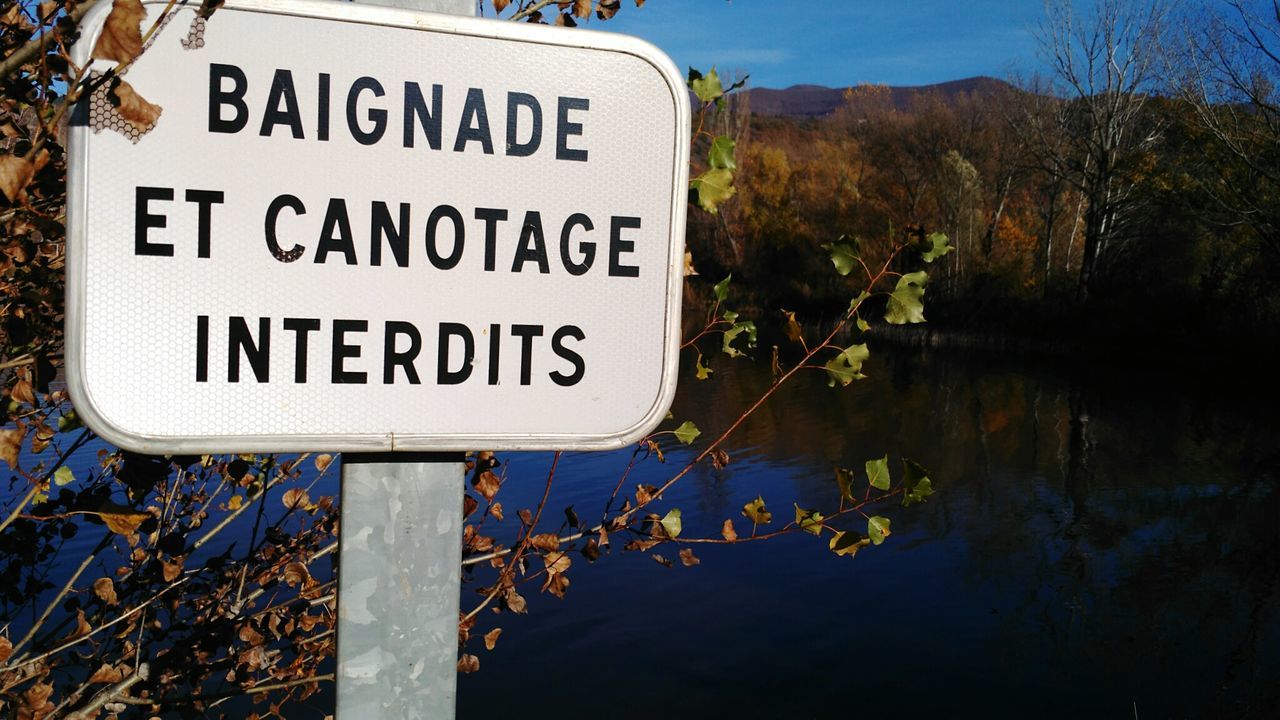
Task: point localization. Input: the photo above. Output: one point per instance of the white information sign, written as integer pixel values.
(362, 228)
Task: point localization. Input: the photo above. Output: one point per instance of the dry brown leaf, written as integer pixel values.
(491, 638)
(35, 702)
(719, 458)
(515, 602)
(82, 626)
(688, 558)
(121, 519)
(322, 462)
(469, 505)
(557, 562)
(250, 636)
(606, 9)
(171, 570)
(581, 8)
(468, 663)
(105, 589)
(496, 511)
(294, 573)
(727, 532)
(661, 560)
(545, 542)
(6, 649)
(295, 499)
(134, 108)
(121, 38)
(107, 674)
(15, 173)
(487, 484)
(500, 5)
(591, 551)
(639, 3)
(556, 584)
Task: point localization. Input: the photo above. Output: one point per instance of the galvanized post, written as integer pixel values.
(399, 576)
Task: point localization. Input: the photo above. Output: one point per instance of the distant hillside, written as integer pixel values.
(812, 101)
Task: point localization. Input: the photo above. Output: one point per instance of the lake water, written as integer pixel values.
(1101, 544)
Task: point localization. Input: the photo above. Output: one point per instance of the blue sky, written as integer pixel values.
(839, 42)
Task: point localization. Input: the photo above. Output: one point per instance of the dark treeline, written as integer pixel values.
(1130, 200)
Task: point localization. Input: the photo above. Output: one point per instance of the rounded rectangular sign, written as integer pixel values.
(301, 225)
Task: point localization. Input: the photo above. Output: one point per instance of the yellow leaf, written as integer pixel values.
(121, 38)
(235, 502)
(15, 173)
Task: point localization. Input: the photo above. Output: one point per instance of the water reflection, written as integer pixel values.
(1098, 543)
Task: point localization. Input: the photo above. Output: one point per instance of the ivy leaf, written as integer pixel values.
(757, 512)
(906, 301)
(671, 524)
(843, 256)
(702, 371)
(847, 366)
(721, 153)
(844, 479)
(877, 528)
(706, 87)
(916, 479)
(721, 290)
(809, 521)
(935, 246)
(64, 476)
(878, 473)
(732, 334)
(713, 187)
(687, 432)
(847, 543)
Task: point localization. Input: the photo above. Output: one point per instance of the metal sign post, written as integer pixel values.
(399, 572)
(301, 225)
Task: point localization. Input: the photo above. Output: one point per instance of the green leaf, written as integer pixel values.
(916, 480)
(757, 512)
(63, 476)
(906, 301)
(69, 421)
(687, 432)
(877, 528)
(706, 87)
(702, 371)
(856, 302)
(843, 256)
(935, 246)
(878, 473)
(721, 290)
(809, 521)
(721, 153)
(844, 479)
(746, 326)
(713, 187)
(847, 543)
(730, 316)
(863, 325)
(671, 523)
(847, 366)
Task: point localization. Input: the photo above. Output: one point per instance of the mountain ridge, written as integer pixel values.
(814, 101)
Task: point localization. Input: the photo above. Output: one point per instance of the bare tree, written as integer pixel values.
(1105, 62)
(1229, 76)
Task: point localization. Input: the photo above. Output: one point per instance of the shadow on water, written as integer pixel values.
(1098, 543)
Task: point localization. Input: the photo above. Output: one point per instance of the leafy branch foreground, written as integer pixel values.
(173, 585)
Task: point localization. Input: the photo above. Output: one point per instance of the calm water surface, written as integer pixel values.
(1100, 545)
